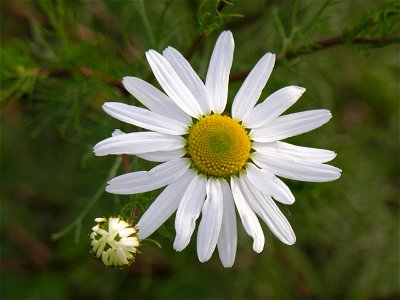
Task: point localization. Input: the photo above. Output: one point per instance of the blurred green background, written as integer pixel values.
(60, 60)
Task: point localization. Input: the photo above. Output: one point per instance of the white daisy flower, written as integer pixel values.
(211, 162)
(114, 241)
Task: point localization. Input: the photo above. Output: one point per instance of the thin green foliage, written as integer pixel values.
(146, 22)
(379, 24)
(209, 21)
(18, 71)
(56, 76)
(153, 242)
(299, 29)
(76, 223)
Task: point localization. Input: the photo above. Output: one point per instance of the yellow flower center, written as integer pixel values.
(218, 146)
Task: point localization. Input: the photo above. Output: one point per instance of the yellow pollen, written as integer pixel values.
(218, 146)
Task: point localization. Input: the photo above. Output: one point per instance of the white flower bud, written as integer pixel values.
(114, 241)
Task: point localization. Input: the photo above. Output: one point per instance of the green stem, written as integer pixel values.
(145, 19)
(316, 17)
(197, 41)
(77, 222)
(322, 45)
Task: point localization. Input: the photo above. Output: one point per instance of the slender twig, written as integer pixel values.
(86, 71)
(336, 41)
(77, 222)
(126, 163)
(322, 45)
(194, 46)
(303, 50)
(60, 73)
(197, 41)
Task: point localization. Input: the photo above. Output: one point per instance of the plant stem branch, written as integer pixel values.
(322, 45)
(336, 41)
(197, 41)
(77, 222)
(303, 50)
(86, 71)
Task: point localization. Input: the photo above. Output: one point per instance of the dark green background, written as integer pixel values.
(61, 60)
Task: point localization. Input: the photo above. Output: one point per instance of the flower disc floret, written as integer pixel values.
(218, 146)
(114, 241)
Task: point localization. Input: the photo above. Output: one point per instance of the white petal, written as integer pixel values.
(217, 79)
(266, 208)
(273, 106)
(227, 241)
(102, 243)
(247, 215)
(188, 211)
(269, 184)
(112, 258)
(164, 206)
(297, 152)
(211, 220)
(158, 156)
(161, 156)
(291, 125)
(155, 100)
(121, 257)
(128, 243)
(285, 166)
(113, 224)
(126, 232)
(143, 181)
(144, 118)
(189, 78)
(117, 132)
(172, 84)
(105, 257)
(101, 231)
(138, 143)
(251, 89)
